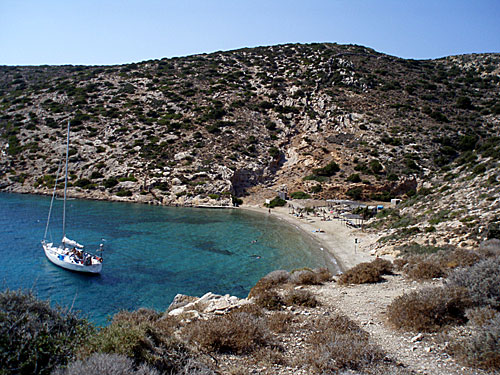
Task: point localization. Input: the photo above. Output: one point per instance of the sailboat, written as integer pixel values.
(69, 254)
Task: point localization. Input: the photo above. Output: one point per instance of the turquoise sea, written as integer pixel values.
(151, 252)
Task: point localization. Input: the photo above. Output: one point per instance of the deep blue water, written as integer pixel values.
(151, 252)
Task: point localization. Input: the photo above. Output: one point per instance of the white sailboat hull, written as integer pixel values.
(59, 257)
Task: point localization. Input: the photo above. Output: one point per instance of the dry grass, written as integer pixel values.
(429, 309)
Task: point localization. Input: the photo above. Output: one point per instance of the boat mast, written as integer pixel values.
(52, 200)
(65, 184)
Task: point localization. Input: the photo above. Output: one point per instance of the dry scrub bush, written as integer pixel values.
(362, 273)
(194, 367)
(457, 258)
(384, 266)
(264, 293)
(269, 299)
(478, 316)
(490, 248)
(399, 263)
(270, 356)
(429, 309)
(268, 282)
(323, 274)
(139, 336)
(481, 348)
(339, 344)
(278, 277)
(307, 276)
(280, 322)
(35, 338)
(304, 277)
(237, 332)
(482, 281)
(106, 364)
(301, 298)
(427, 267)
(424, 270)
(385, 368)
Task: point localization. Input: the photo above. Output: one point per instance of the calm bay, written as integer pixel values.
(151, 252)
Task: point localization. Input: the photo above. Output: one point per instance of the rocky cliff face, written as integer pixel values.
(326, 119)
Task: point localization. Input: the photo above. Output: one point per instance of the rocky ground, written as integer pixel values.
(366, 304)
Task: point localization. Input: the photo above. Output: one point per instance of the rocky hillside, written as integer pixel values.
(329, 120)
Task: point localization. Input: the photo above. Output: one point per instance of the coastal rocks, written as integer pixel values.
(209, 303)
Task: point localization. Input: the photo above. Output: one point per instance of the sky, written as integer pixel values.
(109, 32)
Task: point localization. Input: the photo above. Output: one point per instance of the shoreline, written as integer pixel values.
(334, 237)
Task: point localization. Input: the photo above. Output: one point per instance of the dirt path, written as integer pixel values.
(366, 304)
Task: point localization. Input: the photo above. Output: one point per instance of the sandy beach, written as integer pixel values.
(349, 246)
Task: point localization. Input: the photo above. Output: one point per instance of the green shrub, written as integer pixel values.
(355, 193)
(328, 170)
(299, 195)
(35, 338)
(429, 309)
(140, 336)
(375, 166)
(464, 102)
(354, 178)
(124, 193)
(127, 178)
(96, 174)
(415, 248)
(110, 183)
(494, 230)
(83, 183)
(276, 202)
(316, 189)
(313, 177)
(274, 152)
(479, 169)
